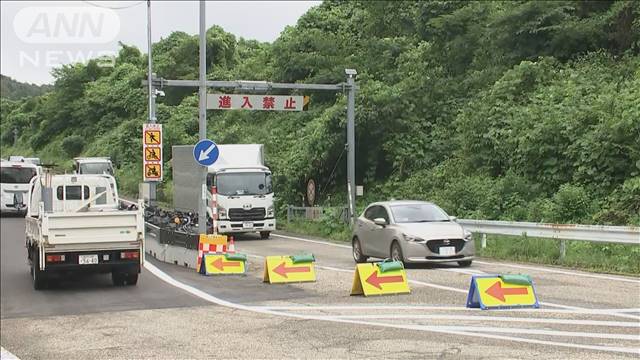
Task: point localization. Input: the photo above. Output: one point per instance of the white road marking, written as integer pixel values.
(564, 272)
(312, 241)
(210, 298)
(631, 324)
(449, 288)
(6, 355)
(312, 307)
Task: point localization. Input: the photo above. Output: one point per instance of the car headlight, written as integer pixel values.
(222, 212)
(468, 236)
(412, 238)
(270, 211)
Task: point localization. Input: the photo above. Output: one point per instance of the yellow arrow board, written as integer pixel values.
(369, 280)
(495, 291)
(281, 269)
(219, 264)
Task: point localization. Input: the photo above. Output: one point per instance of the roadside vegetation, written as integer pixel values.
(522, 111)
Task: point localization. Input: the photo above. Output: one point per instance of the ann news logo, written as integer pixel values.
(57, 27)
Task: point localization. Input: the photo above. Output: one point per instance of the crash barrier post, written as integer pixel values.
(501, 292)
(218, 264)
(387, 277)
(289, 269)
(210, 244)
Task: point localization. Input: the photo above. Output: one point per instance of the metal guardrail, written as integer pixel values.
(594, 233)
(316, 212)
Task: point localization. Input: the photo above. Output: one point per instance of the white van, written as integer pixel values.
(14, 185)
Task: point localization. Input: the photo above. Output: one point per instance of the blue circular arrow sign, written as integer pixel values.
(206, 152)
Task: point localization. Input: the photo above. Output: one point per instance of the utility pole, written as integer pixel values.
(351, 143)
(152, 94)
(202, 117)
(15, 136)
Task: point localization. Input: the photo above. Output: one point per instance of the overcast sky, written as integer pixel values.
(39, 35)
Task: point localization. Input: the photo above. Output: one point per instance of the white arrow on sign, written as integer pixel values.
(204, 154)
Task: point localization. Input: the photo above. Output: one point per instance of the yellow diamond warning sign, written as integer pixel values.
(501, 291)
(369, 279)
(283, 269)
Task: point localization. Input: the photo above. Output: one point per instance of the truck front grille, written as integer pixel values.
(238, 214)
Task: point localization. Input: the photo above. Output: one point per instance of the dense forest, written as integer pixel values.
(510, 110)
(15, 90)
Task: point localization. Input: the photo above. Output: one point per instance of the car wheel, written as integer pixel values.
(465, 263)
(131, 278)
(264, 235)
(118, 278)
(396, 252)
(356, 247)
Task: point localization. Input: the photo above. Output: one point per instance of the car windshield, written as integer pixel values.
(244, 184)
(16, 175)
(412, 213)
(96, 168)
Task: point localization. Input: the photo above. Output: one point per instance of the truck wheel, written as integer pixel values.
(264, 235)
(39, 277)
(118, 278)
(132, 279)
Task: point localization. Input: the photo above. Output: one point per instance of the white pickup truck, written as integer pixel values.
(74, 224)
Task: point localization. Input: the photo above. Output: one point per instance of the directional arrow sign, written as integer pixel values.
(220, 264)
(368, 280)
(283, 270)
(501, 292)
(497, 291)
(376, 280)
(206, 152)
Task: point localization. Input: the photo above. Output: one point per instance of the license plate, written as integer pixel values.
(87, 259)
(447, 250)
(247, 225)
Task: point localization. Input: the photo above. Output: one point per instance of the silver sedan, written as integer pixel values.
(412, 232)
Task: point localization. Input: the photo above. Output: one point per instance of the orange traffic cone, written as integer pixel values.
(231, 248)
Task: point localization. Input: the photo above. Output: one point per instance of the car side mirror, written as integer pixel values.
(380, 221)
(453, 218)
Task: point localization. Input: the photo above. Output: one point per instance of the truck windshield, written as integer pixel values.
(96, 168)
(16, 175)
(244, 184)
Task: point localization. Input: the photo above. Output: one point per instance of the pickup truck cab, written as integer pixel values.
(74, 224)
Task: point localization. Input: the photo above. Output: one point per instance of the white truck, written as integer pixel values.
(243, 183)
(14, 185)
(74, 224)
(93, 165)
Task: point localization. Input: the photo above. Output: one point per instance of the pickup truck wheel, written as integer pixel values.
(264, 235)
(39, 277)
(132, 279)
(118, 278)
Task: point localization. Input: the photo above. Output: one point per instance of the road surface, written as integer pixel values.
(176, 313)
